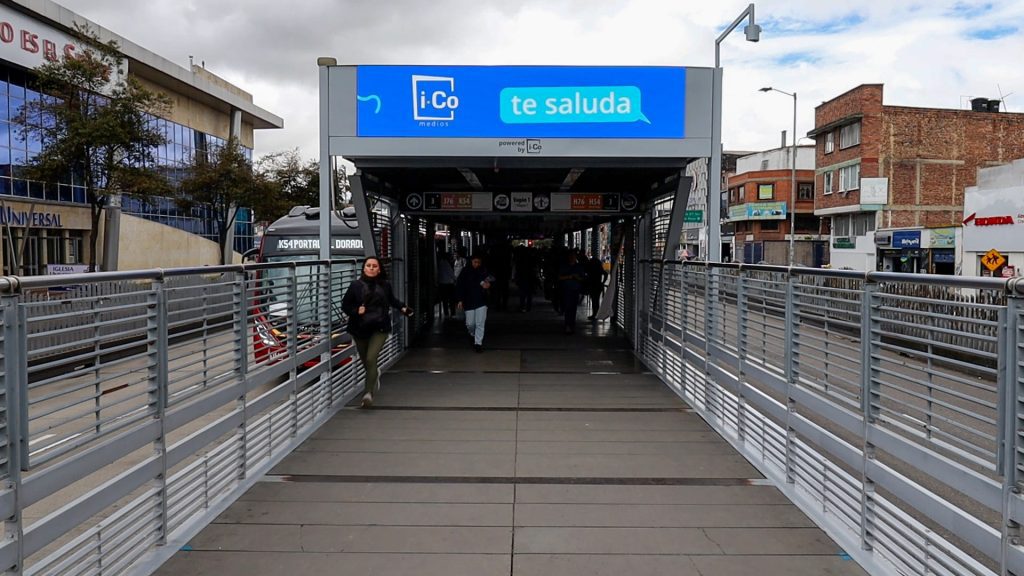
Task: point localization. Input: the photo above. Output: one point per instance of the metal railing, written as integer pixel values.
(137, 406)
(887, 406)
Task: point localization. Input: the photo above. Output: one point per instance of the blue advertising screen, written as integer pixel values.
(520, 101)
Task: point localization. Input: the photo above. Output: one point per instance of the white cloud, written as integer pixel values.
(922, 51)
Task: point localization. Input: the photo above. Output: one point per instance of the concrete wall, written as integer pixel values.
(145, 244)
(199, 116)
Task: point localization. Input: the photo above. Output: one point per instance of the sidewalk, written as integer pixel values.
(545, 455)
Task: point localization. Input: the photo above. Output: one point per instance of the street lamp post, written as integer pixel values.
(714, 217)
(792, 183)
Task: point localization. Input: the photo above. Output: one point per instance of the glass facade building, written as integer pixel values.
(18, 148)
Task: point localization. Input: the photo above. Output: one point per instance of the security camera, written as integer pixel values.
(753, 32)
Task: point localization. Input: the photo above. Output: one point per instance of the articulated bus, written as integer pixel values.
(296, 238)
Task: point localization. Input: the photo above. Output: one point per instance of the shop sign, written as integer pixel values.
(883, 238)
(942, 238)
(844, 242)
(905, 239)
(29, 43)
(758, 211)
(874, 191)
(993, 260)
(26, 219)
(53, 269)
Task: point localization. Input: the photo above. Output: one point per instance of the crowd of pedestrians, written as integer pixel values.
(467, 288)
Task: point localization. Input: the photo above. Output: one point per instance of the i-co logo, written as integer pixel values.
(433, 98)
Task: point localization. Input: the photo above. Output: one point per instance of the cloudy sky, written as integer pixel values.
(927, 53)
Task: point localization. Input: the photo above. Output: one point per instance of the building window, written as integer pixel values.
(827, 182)
(841, 225)
(764, 165)
(849, 135)
(830, 142)
(849, 178)
(805, 191)
(859, 224)
(770, 226)
(807, 224)
(765, 191)
(863, 223)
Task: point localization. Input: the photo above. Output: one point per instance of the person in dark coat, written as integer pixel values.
(596, 276)
(471, 293)
(368, 303)
(571, 276)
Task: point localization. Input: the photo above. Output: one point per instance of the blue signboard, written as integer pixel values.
(906, 239)
(520, 101)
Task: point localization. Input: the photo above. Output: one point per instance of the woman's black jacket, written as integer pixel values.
(378, 298)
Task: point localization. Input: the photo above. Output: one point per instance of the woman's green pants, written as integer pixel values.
(369, 350)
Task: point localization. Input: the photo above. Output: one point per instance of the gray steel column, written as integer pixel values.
(675, 222)
(111, 234)
(362, 207)
(325, 157)
(714, 215)
(1011, 383)
(870, 398)
(15, 383)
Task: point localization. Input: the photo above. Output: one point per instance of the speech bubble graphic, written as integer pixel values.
(571, 105)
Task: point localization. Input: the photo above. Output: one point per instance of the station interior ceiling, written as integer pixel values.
(645, 178)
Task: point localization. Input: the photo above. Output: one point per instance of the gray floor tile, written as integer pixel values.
(407, 539)
(630, 466)
(775, 541)
(368, 514)
(832, 565)
(317, 564)
(653, 495)
(661, 516)
(605, 565)
(632, 541)
(396, 464)
(410, 446)
(381, 492)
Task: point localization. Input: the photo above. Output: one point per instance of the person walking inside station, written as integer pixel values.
(471, 293)
(571, 277)
(368, 303)
(445, 285)
(594, 284)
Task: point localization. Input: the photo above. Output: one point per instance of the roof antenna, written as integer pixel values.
(1002, 97)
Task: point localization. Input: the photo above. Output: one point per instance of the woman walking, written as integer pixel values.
(368, 302)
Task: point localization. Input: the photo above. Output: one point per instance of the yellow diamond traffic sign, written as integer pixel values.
(993, 260)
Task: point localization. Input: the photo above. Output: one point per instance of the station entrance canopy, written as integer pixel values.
(517, 149)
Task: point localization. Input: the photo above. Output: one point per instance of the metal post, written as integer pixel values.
(158, 395)
(15, 363)
(792, 194)
(869, 399)
(790, 374)
(241, 300)
(1011, 383)
(741, 354)
(325, 156)
(753, 33)
(714, 215)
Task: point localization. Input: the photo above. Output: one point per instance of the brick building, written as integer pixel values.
(892, 178)
(760, 200)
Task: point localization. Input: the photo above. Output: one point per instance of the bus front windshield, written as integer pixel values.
(307, 277)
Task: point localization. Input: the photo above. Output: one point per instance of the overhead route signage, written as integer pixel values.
(516, 102)
(520, 202)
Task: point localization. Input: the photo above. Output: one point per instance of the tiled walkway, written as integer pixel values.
(545, 455)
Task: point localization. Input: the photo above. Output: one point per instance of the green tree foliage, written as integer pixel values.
(296, 183)
(224, 181)
(94, 125)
